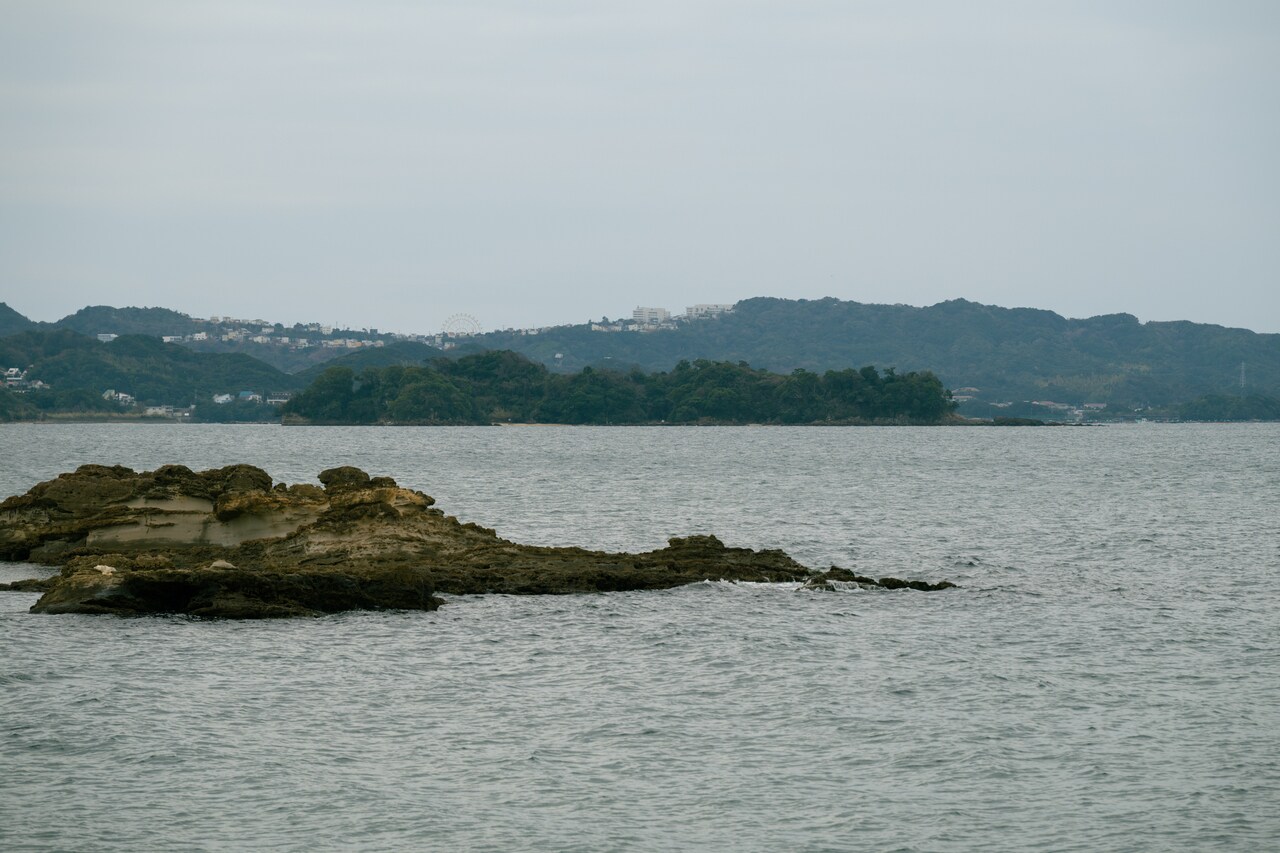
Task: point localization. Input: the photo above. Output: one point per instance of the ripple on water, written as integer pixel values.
(1106, 679)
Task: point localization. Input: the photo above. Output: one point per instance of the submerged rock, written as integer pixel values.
(29, 585)
(828, 580)
(230, 543)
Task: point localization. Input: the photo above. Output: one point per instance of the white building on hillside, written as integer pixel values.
(650, 316)
(696, 312)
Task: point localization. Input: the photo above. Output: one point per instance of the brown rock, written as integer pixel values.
(343, 479)
(226, 543)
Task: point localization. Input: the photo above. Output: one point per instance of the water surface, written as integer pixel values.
(1107, 678)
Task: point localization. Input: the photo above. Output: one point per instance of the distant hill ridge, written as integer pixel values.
(11, 322)
(402, 353)
(1007, 354)
(990, 354)
(288, 348)
(155, 322)
(147, 369)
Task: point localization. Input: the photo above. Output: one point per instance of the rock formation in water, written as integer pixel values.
(230, 543)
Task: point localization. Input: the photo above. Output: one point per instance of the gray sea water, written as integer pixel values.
(1107, 677)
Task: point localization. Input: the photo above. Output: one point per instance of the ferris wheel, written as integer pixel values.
(460, 326)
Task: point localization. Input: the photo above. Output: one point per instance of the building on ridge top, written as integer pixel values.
(706, 309)
(650, 316)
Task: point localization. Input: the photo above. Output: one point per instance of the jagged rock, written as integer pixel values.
(343, 479)
(826, 582)
(835, 573)
(922, 586)
(229, 542)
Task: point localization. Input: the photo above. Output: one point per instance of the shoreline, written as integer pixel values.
(1020, 422)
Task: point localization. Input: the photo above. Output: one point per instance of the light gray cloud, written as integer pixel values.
(395, 163)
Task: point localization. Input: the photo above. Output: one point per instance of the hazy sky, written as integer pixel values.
(391, 163)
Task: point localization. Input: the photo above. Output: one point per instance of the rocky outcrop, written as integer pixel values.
(140, 587)
(837, 578)
(230, 543)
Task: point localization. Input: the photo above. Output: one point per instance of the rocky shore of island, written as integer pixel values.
(231, 543)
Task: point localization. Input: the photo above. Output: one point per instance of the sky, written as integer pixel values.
(390, 164)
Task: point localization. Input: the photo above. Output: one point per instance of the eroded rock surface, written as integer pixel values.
(230, 543)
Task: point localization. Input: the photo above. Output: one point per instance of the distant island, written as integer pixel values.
(999, 362)
(498, 387)
(1002, 365)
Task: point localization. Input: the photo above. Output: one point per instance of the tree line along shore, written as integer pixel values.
(498, 387)
(1004, 366)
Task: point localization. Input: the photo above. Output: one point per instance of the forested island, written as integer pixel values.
(504, 387)
(1006, 366)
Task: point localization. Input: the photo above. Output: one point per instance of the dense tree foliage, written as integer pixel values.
(1011, 356)
(15, 407)
(155, 322)
(1008, 354)
(11, 322)
(34, 405)
(399, 352)
(1225, 407)
(503, 386)
(235, 412)
(150, 370)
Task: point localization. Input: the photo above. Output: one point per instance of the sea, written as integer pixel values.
(1105, 678)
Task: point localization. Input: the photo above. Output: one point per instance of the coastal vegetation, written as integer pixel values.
(1001, 363)
(288, 348)
(1004, 354)
(78, 370)
(399, 352)
(1227, 407)
(506, 387)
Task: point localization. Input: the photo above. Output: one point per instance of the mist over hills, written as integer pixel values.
(993, 358)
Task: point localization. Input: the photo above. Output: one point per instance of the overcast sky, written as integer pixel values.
(389, 164)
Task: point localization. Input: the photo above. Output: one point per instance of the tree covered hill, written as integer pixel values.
(163, 322)
(1006, 353)
(504, 386)
(104, 319)
(400, 352)
(11, 322)
(146, 368)
(288, 348)
(1229, 407)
